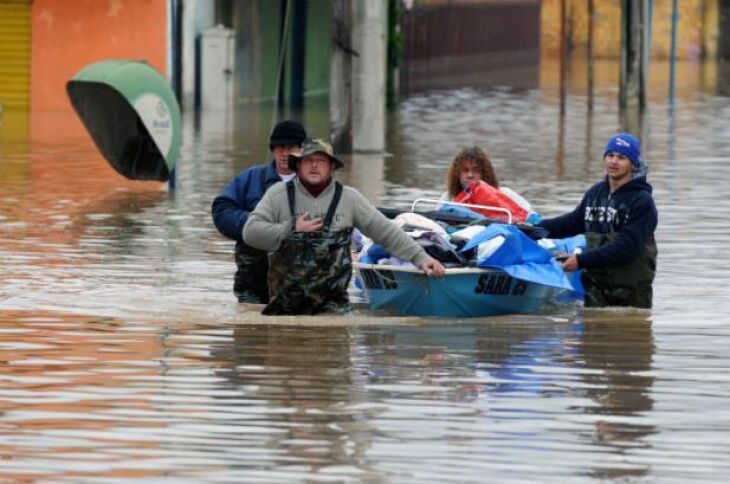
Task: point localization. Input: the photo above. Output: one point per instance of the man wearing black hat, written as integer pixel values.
(237, 200)
(307, 223)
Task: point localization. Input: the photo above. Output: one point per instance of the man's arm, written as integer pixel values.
(629, 241)
(375, 225)
(265, 229)
(566, 225)
(229, 207)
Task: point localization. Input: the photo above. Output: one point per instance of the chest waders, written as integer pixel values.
(252, 266)
(310, 271)
(628, 284)
(249, 283)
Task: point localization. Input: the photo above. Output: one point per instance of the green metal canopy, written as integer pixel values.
(132, 115)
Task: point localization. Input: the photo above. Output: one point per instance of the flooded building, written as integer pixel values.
(283, 49)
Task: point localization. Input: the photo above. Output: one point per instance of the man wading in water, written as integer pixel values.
(307, 223)
(618, 217)
(238, 199)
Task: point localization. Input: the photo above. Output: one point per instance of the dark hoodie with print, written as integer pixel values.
(620, 262)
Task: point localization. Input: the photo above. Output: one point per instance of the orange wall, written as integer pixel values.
(68, 34)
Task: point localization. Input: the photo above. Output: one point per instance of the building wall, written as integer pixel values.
(198, 16)
(258, 26)
(319, 38)
(470, 43)
(697, 31)
(69, 34)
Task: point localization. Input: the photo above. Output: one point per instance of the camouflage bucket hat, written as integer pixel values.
(311, 146)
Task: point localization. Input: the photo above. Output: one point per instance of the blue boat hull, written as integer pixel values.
(462, 292)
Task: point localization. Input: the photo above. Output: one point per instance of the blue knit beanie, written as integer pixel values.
(627, 145)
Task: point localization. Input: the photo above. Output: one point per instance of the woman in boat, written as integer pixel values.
(472, 180)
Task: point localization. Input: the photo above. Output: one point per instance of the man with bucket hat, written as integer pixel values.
(236, 201)
(307, 224)
(618, 218)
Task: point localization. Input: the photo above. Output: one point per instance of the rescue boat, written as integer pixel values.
(463, 291)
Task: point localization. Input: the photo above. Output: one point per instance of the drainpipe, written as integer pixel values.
(175, 9)
(673, 55)
(299, 42)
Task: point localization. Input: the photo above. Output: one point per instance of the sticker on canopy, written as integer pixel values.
(156, 118)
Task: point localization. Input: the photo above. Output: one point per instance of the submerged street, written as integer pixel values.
(124, 354)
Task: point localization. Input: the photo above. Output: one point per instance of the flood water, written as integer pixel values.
(124, 356)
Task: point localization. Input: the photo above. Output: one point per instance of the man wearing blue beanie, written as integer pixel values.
(618, 218)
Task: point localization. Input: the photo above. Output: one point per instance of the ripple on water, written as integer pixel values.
(123, 353)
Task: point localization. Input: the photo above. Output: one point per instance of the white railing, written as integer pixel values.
(467, 205)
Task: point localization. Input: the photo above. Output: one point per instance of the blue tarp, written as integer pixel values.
(569, 244)
(520, 257)
(461, 212)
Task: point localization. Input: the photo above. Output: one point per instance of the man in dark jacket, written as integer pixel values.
(237, 200)
(618, 217)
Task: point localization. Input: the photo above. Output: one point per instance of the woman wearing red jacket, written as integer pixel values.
(472, 180)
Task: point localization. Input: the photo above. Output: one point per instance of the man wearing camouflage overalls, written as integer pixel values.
(307, 225)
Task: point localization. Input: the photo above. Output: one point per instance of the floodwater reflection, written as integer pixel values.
(306, 387)
(66, 400)
(617, 357)
(123, 354)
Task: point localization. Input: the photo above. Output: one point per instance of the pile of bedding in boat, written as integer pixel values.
(483, 244)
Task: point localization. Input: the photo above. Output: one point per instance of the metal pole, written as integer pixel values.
(591, 15)
(648, 16)
(299, 39)
(563, 60)
(673, 55)
(176, 14)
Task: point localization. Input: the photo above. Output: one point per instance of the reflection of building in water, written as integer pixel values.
(618, 358)
(302, 386)
(56, 212)
(70, 391)
(60, 183)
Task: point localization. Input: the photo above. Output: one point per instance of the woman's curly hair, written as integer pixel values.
(453, 185)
